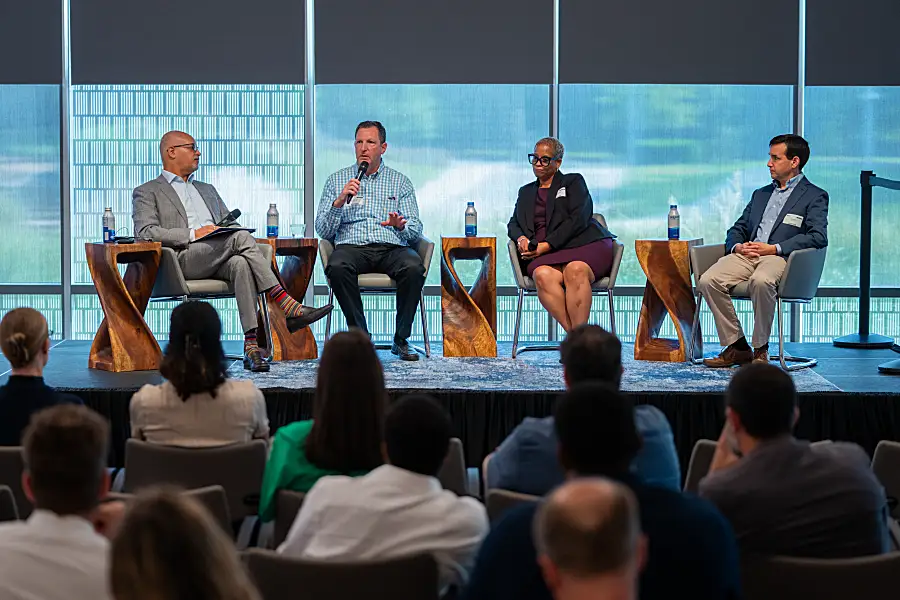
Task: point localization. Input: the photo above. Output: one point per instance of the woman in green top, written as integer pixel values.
(344, 437)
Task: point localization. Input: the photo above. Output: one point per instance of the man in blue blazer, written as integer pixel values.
(788, 214)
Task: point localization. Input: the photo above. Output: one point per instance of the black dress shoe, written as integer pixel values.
(405, 352)
(309, 316)
(254, 361)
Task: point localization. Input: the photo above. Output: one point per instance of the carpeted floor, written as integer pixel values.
(531, 371)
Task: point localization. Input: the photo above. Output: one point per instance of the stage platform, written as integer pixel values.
(843, 398)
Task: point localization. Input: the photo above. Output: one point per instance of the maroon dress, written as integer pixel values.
(598, 255)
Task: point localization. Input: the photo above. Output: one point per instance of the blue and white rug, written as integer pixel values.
(531, 371)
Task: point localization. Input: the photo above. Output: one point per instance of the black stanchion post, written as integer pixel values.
(864, 339)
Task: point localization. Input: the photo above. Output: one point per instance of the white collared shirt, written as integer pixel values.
(388, 513)
(51, 557)
(197, 211)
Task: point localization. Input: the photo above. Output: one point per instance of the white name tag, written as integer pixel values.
(561, 193)
(795, 220)
(357, 201)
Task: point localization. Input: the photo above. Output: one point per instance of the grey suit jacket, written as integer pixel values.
(159, 214)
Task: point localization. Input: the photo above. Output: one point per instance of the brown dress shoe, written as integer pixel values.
(729, 358)
(761, 355)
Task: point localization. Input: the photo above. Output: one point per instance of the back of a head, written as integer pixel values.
(590, 353)
(65, 450)
(194, 361)
(588, 528)
(595, 426)
(765, 399)
(349, 407)
(417, 433)
(168, 546)
(22, 334)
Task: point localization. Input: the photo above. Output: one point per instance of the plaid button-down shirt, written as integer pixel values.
(359, 222)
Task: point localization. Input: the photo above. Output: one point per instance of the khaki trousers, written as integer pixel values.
(763, 275)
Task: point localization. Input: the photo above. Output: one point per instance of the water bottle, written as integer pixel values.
(674, 222)
(272, 221)
(471, 220)
(109, 226)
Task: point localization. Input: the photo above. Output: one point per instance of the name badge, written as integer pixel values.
(357, 201)
(561, 193)
(794, 220)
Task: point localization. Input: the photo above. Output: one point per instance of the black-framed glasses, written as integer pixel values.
(195, 147)
(544, 160)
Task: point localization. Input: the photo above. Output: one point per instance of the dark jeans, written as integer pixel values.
(400, 263)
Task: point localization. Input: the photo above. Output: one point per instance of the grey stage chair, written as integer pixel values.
(453, 472)
(8, 510)
(797, 286)
(287, 505)
(171, 285)
(279, 578)
(11, 467)
(601, 287)
(212, 497)
(499, 501)
(782, 578)
(379, 283)
(698, 467)
(886, 466)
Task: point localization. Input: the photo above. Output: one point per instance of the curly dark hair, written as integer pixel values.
(194, 361)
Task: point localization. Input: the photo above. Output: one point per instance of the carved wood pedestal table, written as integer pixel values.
(124, 341)
(295, 274)
(469, 317)
(667, 265)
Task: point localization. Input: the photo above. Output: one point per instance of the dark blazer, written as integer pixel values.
(20, 398)
(807, 201)
(569, 222)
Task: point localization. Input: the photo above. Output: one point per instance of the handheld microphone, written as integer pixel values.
(363, 167)
(532, 245)
(230, 218)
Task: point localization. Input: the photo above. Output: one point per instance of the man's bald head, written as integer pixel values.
(589, 527)
(178, 154)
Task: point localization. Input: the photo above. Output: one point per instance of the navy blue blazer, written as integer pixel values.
(808, 202)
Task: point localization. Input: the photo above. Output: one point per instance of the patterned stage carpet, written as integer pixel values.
(531, 371)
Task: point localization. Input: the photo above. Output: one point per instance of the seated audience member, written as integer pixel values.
(59, 552)
(198, 406)
(784, 496)
(526, 460)
(25, 341)
(588, 535)
(344, 437)
(168, 546)
(691, 553)
(400, 508)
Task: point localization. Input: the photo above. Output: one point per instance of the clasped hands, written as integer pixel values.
(755, 249)
(525, 253)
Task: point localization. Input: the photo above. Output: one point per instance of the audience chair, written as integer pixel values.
(798, 285)
(171, 285)
(698, 467)
(783, 578)
(8, 510)
(287, 505)
(453, 472)
(886, 466)
(601, 287)
(279, 578)
(212, 497)
(499, 501)
(238, 468)
(379, 283)
(11, 467)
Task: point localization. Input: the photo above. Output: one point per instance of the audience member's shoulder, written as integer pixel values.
(243, 388)
(649, 416)
(515, 522)
(64, 398)
(535, 425)
(294, 432)
(149, 394)
(846, 453)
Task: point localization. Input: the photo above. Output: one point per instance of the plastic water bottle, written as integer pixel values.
(272, 221)
(674, 222)
(109, 226)
(471, 220)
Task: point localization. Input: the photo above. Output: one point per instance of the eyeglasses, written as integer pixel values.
(544, 160)
(195, 147)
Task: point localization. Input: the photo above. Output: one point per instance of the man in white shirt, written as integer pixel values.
(399, 509)
(59, 552)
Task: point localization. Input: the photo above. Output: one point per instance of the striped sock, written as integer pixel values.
(250, 340)
(289, 306)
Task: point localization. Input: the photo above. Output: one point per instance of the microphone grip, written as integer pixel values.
(359, 173)
(532, 245)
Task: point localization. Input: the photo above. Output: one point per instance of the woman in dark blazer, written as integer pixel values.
(563, 249)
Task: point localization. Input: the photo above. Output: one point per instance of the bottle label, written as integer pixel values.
(108, 235)
(471, 230)
(272, 231)
(673, 233)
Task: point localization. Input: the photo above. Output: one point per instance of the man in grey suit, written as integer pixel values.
(181, 213)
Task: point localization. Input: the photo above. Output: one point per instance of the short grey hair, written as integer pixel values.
(555, 144)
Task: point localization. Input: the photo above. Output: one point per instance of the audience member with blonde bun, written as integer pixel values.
(168, 546)
(25, 341)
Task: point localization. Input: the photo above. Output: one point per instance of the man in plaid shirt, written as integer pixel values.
(371, 221)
